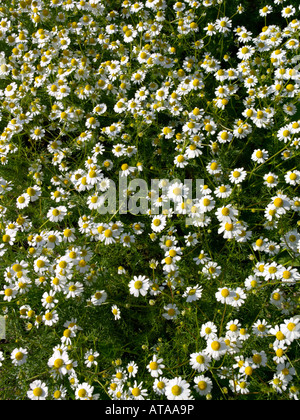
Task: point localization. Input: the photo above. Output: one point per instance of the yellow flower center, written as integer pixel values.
(225, 211)
(82, 393)
(176, 390)
(291, 326)
(171, 312)
(225, 293)
(257, 358)
(215, 345)
(138, 285)
(31, 192)
(19, 356)
(55, 212)
(8, 292)
(206, 202)
(136, 392)
(108, 233)
(280, 336)
(58, 363)
(202, 385)
(160, 385)
(180, 159)
(153, 366)
(261, 328)
(278, 202)
(40, 263)
(248, 370)
(37, 392)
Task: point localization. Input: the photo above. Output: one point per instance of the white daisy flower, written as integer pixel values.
(139, 286)
(38, 391)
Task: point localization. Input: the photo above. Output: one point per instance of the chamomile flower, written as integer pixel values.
(38, 391)
(34, 193)
(203, 385)
(178, 389)
(99, 297)
(286, 370)
(94, 202)
(278, 383)
(48, 300)
(58, 363)
(68, 235)
(127, 240)
(211, 269)
(19, 356)
(226, 214)
(223, 25)
(84, 391)
(292, 177)
(177, 192)
(239, 297)
(281, 203)
(200, 361)
(37, 133)
(139, 285)
(237, 176)
(180, 161)
(116, 312)
(90, 358)
(260, 156)
(288, 11)
(211, 29)
(171, 312)
(23, 201)
(225, 295)
(208, 330)
(126, 170)
(271, 180)
(216, 348)
(193, 293)
(155, 367)
(159, 223)
(291, 329)
(60, 394)
(50, 318)
(159, 385)
(57, 214)
(245, 52)
(207, 203)
(140, 109)
(136, 391)
(41, 264)
(261, 328)
(223, 191)
(73, 289)
(9, 292)
(266, 10)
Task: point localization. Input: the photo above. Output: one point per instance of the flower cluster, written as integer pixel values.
(96, 96)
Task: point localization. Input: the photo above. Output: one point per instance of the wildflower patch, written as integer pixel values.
(149, 213)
